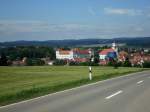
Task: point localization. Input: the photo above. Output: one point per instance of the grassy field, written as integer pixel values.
(20, 83)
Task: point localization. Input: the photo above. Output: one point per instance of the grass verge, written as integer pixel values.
(35, 91)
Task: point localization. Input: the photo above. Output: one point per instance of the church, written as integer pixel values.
(107, 54)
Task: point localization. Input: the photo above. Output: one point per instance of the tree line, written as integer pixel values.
(32, 53)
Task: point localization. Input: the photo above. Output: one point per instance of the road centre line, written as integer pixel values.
(140, 82)
(114, 94)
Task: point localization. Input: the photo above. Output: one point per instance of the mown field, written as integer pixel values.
(20, 83)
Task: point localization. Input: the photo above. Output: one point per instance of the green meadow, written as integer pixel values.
(22, 83)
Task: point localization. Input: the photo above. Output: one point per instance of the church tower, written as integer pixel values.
(115, 47)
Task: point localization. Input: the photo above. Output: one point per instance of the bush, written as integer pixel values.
(72, 63)
(3, 60)
(60, 62)
(84, 63)
(34, 62)
(110, 63)
(94, 64)
(146, 64)
(126, 64)
(116, 65)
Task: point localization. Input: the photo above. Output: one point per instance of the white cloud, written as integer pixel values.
(121, 11)
(21, 30)
(13, 27)
(22, 26)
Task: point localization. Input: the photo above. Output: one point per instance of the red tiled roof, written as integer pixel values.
(81, 51)
(106, 51)
(64, 52)
(81, 59)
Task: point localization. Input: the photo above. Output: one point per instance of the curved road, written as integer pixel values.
(129, 93)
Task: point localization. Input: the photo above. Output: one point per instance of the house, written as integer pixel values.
(135, 58)
(20, 62)
(138, 58)
(47, 61)
(64, 54)
(107, 54)
(82, 55)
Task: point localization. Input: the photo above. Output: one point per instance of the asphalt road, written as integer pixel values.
(124, 94)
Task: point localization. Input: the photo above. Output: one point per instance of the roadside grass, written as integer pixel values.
(21, 83)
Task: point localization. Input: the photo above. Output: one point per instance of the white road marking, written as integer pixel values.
(140, 82)
(114, 94)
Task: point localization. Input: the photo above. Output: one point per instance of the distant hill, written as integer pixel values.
(140, 42)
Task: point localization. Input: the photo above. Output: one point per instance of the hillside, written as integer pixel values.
(140, 42)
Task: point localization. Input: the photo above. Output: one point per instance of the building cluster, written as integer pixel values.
(102, 57)
(76, 55)
(138, 58)
(79, 55)
(105, 55)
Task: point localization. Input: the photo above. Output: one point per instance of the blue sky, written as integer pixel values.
(73, 19)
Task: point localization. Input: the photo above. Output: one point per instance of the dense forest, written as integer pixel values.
(30, 52)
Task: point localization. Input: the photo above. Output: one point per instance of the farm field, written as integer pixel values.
(20, 83)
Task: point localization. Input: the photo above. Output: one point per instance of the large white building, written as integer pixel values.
(64, 54)
(74, 54)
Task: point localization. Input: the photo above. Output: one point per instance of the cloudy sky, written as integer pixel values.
(73, 19)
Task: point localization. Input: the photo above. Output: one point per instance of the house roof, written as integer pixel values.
(64, 52)
(77, 51)
(106, 51)
(81, 51)
(80, 59)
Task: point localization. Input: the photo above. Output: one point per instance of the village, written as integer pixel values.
(79, 56)
(105, 56)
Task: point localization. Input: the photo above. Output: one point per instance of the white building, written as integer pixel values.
(74, 54)
(64, 54)
(104, 53)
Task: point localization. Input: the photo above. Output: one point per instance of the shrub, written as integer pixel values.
(34, 62)
(72, 63)
(84, 63)
(3, 60)
(146, 64)
(127, 64)
(60, 62)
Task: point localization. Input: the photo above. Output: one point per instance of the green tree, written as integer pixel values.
(3, 60)
(60, 62)
(127, 63)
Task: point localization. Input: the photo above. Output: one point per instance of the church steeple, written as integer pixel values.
(114, 47)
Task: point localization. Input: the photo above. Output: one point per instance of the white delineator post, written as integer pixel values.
(90, 68)
(90, 72)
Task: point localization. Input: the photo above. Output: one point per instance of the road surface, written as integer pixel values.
(129, 93)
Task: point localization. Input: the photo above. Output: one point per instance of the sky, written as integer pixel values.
(73, 19)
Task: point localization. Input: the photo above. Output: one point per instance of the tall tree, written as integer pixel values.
(3, 60)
